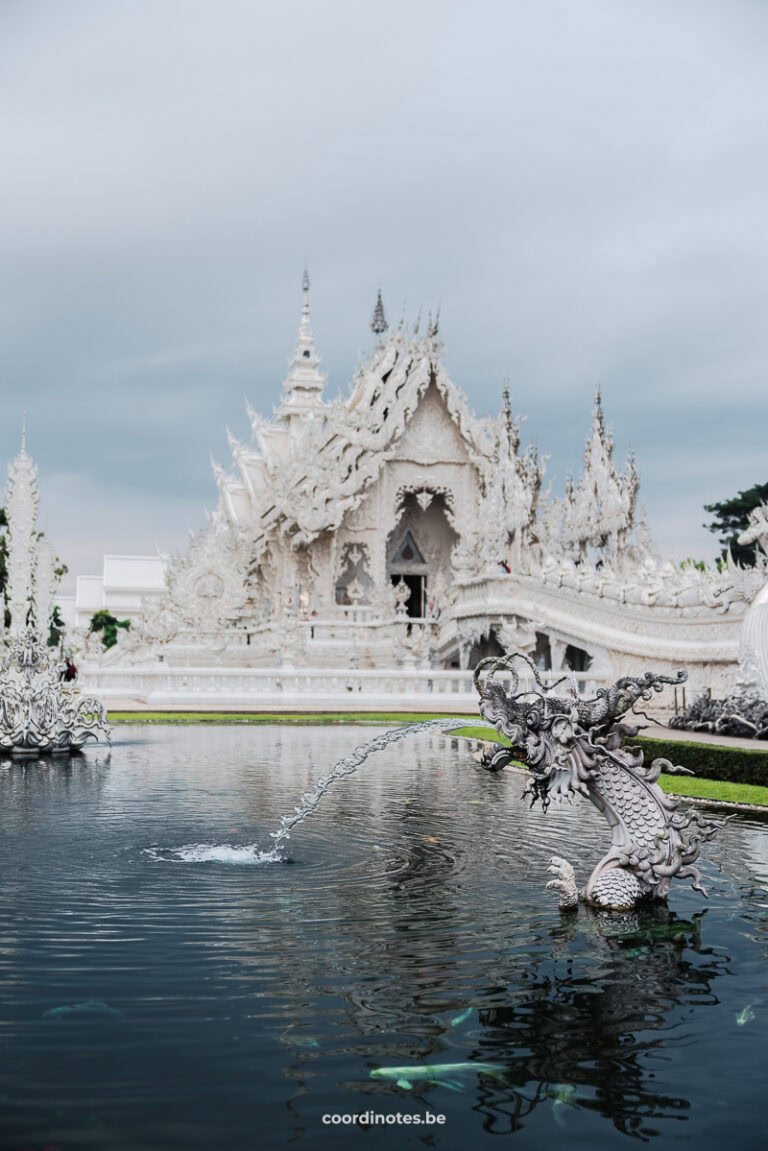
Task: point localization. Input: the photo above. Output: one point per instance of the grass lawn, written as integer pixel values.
(714, 789)
(322, 717)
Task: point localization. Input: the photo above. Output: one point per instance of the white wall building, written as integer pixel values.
(125, 588)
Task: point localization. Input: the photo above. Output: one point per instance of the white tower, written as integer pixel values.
(303, 386)
(21, 504)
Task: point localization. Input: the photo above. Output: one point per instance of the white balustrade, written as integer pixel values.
(330, 689)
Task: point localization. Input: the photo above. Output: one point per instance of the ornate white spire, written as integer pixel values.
(601, 508)
(303, 386)
(512, 486)
(21, 504)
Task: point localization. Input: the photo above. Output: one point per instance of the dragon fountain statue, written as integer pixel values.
(573, 745)
(39, 712)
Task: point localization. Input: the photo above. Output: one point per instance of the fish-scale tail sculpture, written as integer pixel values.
(573, 745)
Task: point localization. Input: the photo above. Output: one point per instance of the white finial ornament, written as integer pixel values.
(379, 323)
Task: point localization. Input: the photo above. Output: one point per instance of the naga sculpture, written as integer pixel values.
(574, 745)
(39, 712)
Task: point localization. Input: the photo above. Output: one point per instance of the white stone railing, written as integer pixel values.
(415, 689)
(344, 619)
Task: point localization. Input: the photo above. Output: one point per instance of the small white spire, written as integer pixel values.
(303, 385)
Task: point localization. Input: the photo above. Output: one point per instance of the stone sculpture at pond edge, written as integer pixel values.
(573, 745)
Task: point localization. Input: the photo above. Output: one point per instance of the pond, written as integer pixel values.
(160, 989)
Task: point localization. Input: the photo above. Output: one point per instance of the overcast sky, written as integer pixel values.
(581, 185)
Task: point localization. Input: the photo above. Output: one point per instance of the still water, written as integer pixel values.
(161, 989)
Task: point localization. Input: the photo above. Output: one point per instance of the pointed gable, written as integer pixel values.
(430, 434)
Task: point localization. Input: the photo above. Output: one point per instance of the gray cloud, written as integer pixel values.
(580, 185)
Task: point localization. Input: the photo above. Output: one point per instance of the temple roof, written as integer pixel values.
(306, 473)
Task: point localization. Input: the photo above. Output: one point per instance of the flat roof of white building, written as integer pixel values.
(145, 573)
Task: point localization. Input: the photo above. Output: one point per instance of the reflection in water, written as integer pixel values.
(570, 1022)
(410, 933)
(593, 1035)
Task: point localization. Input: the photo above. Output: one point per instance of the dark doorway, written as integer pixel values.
(487, 645)
(542, 655)
(418, 584)
(576, 659)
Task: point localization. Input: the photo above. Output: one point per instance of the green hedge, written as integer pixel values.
(705, 760)
(709, 761)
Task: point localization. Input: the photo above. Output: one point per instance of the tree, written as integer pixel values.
(56, 627)
(4, 567)
(108, 624)
(732, 518)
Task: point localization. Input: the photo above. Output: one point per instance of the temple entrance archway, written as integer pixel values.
(416, 604)
(419, 550)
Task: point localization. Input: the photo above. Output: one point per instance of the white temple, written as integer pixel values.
(394, 529)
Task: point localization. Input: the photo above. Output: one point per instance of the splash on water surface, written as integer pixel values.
(248, 854)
